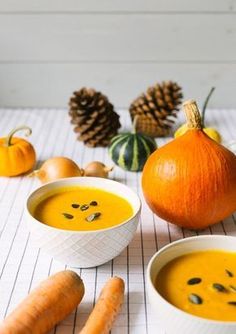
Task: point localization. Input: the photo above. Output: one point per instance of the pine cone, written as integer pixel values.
(94, 117)
(156, 109)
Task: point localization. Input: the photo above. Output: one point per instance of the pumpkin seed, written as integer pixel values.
(93, 216)
(233, 288)
(93, 203)
(195, 299)
(229, 273)
(84, 207)
(67, 215)
(194, 280)
(232, 303)
(75, 206)
(219, 287)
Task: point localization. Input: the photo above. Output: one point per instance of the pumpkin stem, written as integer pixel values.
(205, 105)
(192, 114)
(10, 135)
(134, 125)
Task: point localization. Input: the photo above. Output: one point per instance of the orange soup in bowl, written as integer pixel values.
(202, 283)
(81, 208)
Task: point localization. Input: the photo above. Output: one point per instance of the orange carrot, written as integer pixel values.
(107, 307)
(45, 306)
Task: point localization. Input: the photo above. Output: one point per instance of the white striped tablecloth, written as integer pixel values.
(22, 266)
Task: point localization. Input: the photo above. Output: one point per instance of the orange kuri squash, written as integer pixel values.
(191, 181)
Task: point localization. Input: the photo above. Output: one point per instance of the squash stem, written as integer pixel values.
(10, 135)
(134, 125)
(192, 114)
(205, 106)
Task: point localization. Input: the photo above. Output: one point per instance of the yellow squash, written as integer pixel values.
(211, 132)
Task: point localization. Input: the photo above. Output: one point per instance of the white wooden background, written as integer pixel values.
(50, 48)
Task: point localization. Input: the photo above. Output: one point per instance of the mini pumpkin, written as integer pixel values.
(191, 181)
(131, 150)
(17, 155)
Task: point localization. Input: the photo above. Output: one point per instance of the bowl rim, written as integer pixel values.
(63, 180)
(171, 306)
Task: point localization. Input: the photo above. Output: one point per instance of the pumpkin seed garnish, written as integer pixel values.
(195, 299)
(229, 273)
(93, 216)
(219, 287)
(232, 303)
(93, 203)
(84, 207)
(194, 280)
(233, 288)
(67, 215)
(75, 206)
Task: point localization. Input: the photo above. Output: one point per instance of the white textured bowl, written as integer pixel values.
(174, 320)
(84, 249)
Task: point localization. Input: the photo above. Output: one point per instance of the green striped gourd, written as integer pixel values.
(131, 150)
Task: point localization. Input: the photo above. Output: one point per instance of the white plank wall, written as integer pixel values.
(49, 49)
(118, 5)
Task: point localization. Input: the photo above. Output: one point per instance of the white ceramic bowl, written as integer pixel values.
(174, 320)
(84, 249)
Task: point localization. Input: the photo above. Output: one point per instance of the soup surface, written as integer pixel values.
(80, 208)
(201, 283)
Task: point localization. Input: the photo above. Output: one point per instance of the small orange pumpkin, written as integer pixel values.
(191, 181)
(17, 155)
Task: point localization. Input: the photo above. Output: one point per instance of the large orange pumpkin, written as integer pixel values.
(17, 155)
(191, 181)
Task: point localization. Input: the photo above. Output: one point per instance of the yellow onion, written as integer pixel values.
(57, 168)
(98, 169)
